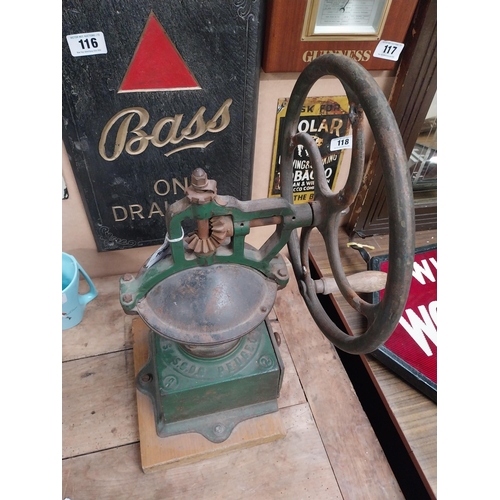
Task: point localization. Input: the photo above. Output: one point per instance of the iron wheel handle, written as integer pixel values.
(365, 98)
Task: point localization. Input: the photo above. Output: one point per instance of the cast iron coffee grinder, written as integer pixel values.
(213, 360)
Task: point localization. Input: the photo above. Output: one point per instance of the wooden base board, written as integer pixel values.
(163, 453)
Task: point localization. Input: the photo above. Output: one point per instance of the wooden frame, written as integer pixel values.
(413, 90)
(368, 25)
(287, 46)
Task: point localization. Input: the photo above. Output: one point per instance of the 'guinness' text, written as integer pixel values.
(357, 55)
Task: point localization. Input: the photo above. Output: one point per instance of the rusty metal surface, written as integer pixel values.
(209, 291)
(202, 189)
(366, 99)
(227, 221)
(209, 305)
(209, 235)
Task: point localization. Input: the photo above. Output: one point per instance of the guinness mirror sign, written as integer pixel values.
(151, 91)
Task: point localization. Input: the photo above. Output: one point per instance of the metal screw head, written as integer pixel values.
(128, 277)
(127, 298)
(199, 178)
(277, 336)
(219, 429)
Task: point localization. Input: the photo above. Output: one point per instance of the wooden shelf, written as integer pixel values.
(413, 415)
(330, 450)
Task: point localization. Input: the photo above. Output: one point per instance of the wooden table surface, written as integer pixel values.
(414, 415)
(330, 450)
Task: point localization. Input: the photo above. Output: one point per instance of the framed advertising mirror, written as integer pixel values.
(300, 31)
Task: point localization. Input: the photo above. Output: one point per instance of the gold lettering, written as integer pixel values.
(138, 144)
(157, 187)
(121, 136)
(171, 137)
(120, 213)
(201, 127)
(307, 56)
(201, 145)
(136, 210)
(223, 114)
(358, 55)
(176, 183)
(155, 209)
(124, 215)
(162, 187)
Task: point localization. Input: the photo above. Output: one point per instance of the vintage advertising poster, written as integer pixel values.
(153, 90)
(326, 120)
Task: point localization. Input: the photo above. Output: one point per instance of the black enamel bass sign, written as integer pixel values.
(151, 91)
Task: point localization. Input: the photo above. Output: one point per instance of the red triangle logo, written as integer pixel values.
(156, 64)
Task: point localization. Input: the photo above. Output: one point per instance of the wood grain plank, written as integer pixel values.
(98, 403)
(173, 451)
(295, 468)
(414, 415)
(104, 328)
(91, 384)
(291, 389)
(359, 464)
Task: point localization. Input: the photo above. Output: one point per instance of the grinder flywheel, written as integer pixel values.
(205, 293)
